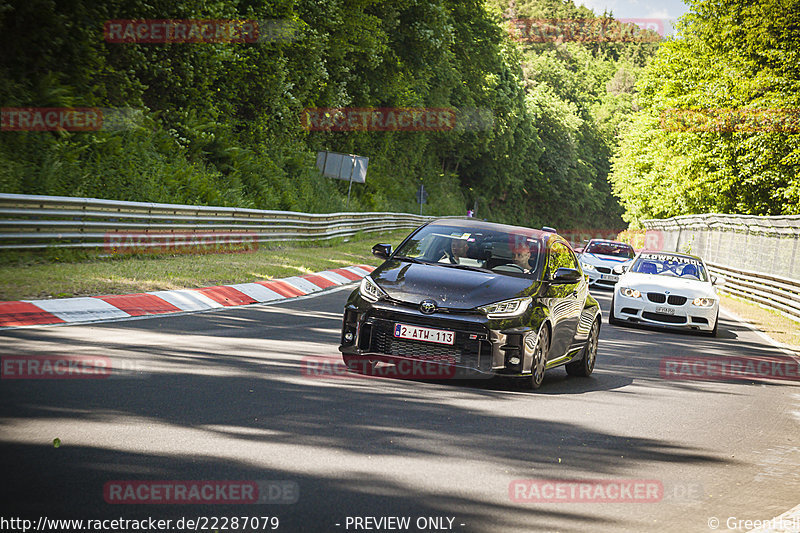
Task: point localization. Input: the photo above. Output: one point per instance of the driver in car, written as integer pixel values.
(522, 256)
(459, 248)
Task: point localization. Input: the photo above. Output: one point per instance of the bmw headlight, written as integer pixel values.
(703, 302)
(369, 290)
(588, 267)
(506, 308)
(630, 293)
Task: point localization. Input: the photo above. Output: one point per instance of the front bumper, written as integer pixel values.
(601, 279)
(664, 314)
(478, 351)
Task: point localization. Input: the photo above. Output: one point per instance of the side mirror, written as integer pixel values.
(567, 275)
(382, 251)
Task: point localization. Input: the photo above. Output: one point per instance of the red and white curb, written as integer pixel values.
(98, 308)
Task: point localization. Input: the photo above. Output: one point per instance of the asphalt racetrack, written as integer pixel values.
(223, 397)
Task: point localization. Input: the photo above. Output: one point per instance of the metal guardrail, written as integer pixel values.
(774, 292)
(757, 256)
(31, 222)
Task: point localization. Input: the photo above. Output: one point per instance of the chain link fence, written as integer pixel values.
(758, 257)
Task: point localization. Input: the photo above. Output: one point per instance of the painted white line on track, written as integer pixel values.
(791, 517)
(749, 325)
(788, 522)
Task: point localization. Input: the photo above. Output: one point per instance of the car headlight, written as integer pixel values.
(588, 267)
(630, 293)
(369, 290)
(506, 308)
(703, 302)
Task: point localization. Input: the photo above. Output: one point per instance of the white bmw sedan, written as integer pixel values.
(666, 289)
(602, 261)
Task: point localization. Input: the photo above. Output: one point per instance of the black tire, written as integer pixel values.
(713, 332)
(584, 367)
(534, 381)
(614, 321)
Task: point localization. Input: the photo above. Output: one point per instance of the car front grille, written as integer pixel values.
(603, 270)
(464, 352)
(659, 298)
(661, 317)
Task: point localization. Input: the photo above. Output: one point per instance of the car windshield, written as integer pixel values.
(670, 265)
(616, 249)
(513, 253)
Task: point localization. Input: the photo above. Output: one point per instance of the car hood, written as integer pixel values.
(447, 286)
(604, 260)
(658, 283)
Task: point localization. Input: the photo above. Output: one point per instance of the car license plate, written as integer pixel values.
(665, 310)
(609, 277)
(439, 336)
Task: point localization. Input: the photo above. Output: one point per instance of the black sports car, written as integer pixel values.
(476, 298)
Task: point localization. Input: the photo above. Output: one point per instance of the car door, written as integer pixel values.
(565, 300)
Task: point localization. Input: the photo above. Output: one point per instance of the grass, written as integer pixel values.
(774, 324)
(68, 273)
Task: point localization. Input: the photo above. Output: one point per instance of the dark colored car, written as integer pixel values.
(480, 298)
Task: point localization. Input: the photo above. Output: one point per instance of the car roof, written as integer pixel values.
(678, 254)
(472, 223)
(609, 242)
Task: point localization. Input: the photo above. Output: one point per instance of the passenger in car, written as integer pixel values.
(460, 254)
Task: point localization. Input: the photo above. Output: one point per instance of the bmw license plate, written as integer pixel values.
(665, 310)
(416, 333)
(609, 277)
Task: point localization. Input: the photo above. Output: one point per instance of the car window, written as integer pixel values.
(616, 249)
(670, 265)
(561, 257)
